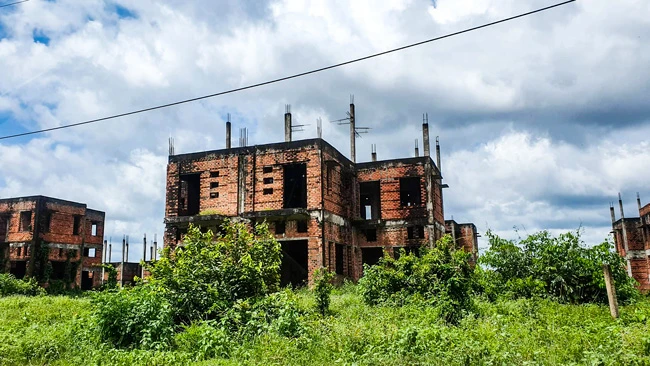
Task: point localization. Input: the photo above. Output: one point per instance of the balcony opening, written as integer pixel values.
(18, 269)
(280, 227)
(301, 226)
(295, 186)
(409, 192)
(190, 195)
(370, 200)
(371, 235)
(415, 232)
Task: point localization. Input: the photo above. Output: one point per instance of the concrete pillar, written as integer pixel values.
(438, 153)
(611, 291)
(122, 262)
(417, 150)
(353, 137)
(228, 135)
(624, 229)
(425, 138)
(287, 124)
(373, 154)
(144, 254)
(612, 214)
(155, 247)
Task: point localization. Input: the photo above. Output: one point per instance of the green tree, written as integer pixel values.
(560, 267)
(207, 274)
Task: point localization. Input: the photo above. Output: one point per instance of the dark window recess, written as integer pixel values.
(214, 174)
(409, 192)
(58, 270)
(280, 227)
(301, 226)
(19, 251)
(18, 268)
(295, 186)
(371, 256)
(76, 227)
(214, 184)
(4, 227)
(268, 180)
(371, 234)
(214, 194)
(60, 252)
(93, 228)
(86, 252)
(268, 191)
(47, 220)
(267, 169)
(339, 258)
(190, 195)
(26, 221)
(294, 267)
(370, 200)
(415, 232)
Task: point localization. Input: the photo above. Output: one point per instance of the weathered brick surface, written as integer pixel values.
(52, 230)
(251, 185)
(637, 230)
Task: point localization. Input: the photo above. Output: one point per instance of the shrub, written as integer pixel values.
(441, 277)
(277, 313)
(559, 267)
(322, 289)
(111, 283)
(204, 340)
(137, 317)
(10, 285)
(205, 276)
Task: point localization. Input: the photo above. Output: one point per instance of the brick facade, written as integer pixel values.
(632, 241)
(51, 240)
(315, 200)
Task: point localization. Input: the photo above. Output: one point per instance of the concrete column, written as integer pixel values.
(611, 291)
(353, 137)
(612, 214)
(417, 150)
(629, 265)
(228, 135)
(287, 124)
(373, 154)
(425, 138)
(122, 262)
(438, 154)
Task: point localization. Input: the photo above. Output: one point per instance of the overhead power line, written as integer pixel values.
(10, 4)
(314, 71)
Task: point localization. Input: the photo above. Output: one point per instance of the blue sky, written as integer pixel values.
(542, 120)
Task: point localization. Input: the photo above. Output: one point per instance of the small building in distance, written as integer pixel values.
(632, 241)
(465, 236)
(51, 240)
(324, 208)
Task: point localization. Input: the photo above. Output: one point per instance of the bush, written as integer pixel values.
(559, 267)
(10, 285)
(205, 276)
(322, 289)
(277, 313)
(204, 340)
(441, 277)
(111, 283)
(137, 317)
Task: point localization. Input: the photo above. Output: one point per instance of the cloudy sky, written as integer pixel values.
(542, 120)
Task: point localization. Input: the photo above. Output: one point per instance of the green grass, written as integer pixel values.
(59, 331)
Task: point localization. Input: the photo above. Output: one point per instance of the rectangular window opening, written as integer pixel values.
(214, 194)
(214, 184)
(76, 227)
(415, 232)
(339, 258)
(268, 191)
(214, 174)
(19, 251)
(267, 169)
(280, 227)
(369, 196)
(93, 229)
(301, 226)
(409, 192)
(47, 221)
(371, 235)
(92, 252)
(190, 195)
(26, 221)
(295, 185)
(268, 180)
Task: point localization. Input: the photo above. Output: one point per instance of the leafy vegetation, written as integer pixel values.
(439, 277)
(208, 274)
(561, 268)
(10, 285)
(322, 289)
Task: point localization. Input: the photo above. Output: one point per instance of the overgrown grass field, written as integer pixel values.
(60, 331)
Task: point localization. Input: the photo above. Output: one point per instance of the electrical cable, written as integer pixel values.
(290, 76)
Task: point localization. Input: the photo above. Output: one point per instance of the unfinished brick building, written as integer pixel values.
(325, 209)
(632, 241)
(465, 236)
(51, 240)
